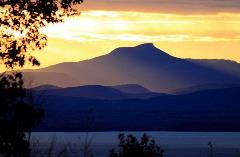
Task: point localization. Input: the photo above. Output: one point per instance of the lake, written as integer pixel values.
(175, 144)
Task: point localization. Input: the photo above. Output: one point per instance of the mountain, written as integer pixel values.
(144, 65)
(36, 78)
(97, 92)
(208, 110)
(225, 66)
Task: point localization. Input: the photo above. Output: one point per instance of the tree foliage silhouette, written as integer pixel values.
(130, 147)
(20, 34)
(16, 117)
(20, 24)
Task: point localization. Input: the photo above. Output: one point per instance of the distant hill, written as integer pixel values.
(132, 89)
(90, 91)
(98, 92)
(209, 110)
(144, 65)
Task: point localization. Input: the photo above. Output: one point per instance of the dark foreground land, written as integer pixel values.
(208, 110)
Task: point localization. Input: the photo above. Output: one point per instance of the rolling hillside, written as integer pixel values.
(208, 110)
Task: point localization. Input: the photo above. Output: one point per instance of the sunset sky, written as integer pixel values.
(183, 28)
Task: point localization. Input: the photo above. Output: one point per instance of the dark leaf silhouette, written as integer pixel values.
(16, 117)
(20, 23)
(20, 34)
(130, 147)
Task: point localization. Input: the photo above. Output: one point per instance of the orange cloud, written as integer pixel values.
(164, 6)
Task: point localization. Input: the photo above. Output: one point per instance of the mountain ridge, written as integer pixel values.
(145, 65)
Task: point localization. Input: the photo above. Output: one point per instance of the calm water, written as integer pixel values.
(175, 144)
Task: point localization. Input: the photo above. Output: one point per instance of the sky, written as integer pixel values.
(208, 29)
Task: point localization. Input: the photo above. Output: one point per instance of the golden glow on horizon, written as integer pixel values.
(95, 33)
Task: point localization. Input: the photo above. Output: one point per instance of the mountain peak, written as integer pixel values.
(144, 51)
(146, 45)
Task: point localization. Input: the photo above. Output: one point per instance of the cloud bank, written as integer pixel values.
(166, 6)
